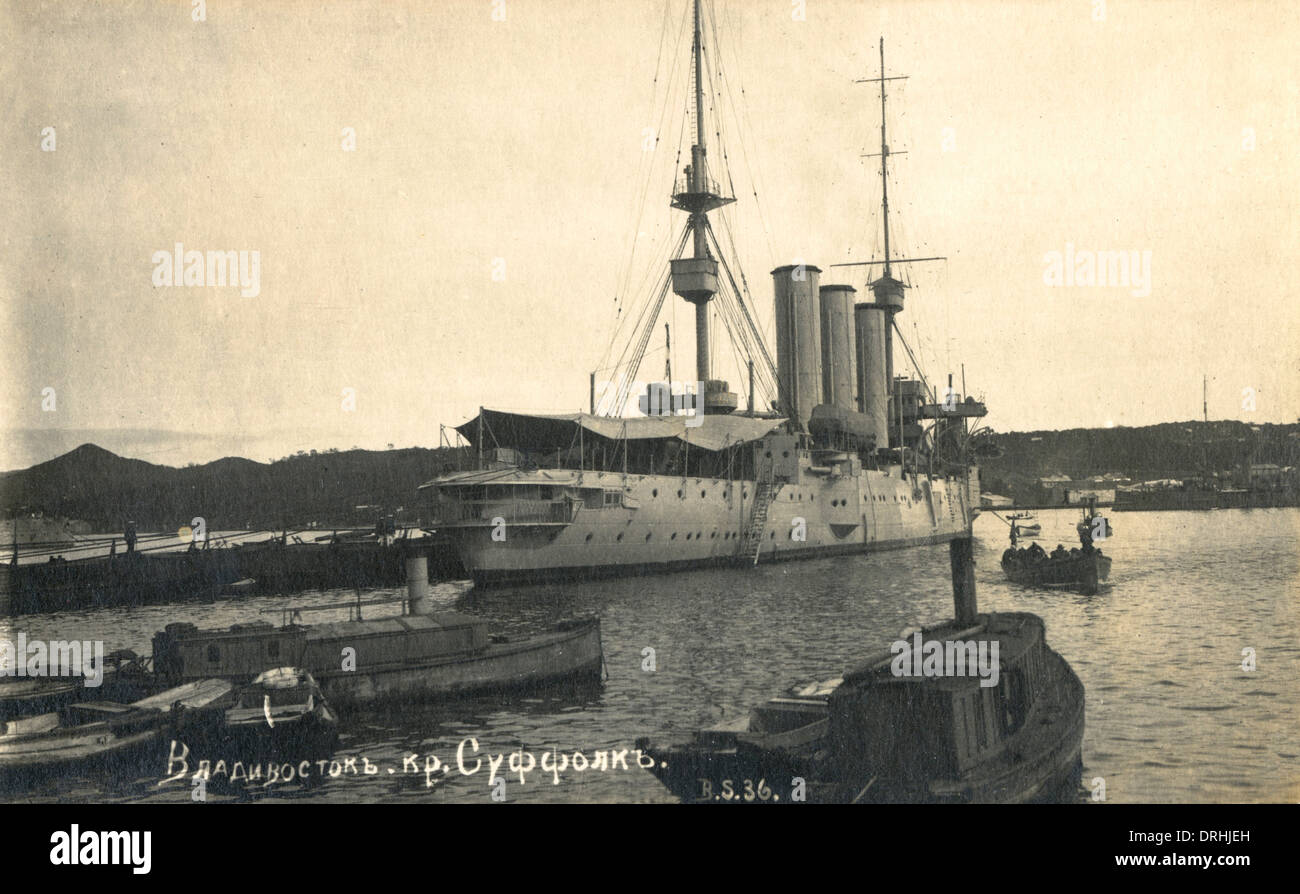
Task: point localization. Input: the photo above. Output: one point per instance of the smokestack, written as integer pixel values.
(889, 296)
(798, 340)
(838, 378)
(870, 322)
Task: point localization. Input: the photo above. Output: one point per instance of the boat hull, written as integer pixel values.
(566, 654)
(1082, 573)
(34, 747)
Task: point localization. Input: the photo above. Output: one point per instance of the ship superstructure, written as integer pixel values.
(851, 458)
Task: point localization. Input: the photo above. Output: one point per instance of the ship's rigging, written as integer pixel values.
(702, 185)
(701, 264)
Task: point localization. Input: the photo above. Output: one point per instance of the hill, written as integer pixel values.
(1168, 450)
(97, 486)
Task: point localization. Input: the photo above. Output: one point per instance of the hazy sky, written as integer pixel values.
(1169, 128)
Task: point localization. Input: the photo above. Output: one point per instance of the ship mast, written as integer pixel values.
(888, 291)
(884, 158)
(696, 278)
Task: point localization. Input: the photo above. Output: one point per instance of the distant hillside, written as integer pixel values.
(104, 489)
(1170, 450)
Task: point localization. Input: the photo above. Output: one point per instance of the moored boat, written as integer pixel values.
(39, 695)
(281, 716)
(399, 658)
(101, 730)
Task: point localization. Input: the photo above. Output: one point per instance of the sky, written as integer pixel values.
(452, 205)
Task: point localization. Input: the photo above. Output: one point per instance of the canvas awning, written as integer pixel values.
(532, 433)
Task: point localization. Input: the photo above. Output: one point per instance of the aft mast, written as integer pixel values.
(887, 290)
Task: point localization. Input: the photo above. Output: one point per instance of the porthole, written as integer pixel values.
(619, 538)
(688, 535)
(680, 494)
(702, 493)
(674, 537)
(785, 454)
(655, 492)
(713, 535)
(699, 535)
(647, 537)
(773, 536)
(588, 538)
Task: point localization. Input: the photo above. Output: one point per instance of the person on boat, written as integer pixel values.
(130, 537)
(1059, 552)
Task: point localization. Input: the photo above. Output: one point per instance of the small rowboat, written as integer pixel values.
(238, 588)
(281, 716)
(38, 695)
(89, 731)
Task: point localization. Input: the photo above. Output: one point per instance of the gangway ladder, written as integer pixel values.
(763, 494)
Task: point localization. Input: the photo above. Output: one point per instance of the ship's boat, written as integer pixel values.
(400, 658)
(889, 732)
(84, 732)
(1080, 570)
(124, 679)
(282, 716)
(850, 457)
(238, 588)
(1083, 568)
(40, 695)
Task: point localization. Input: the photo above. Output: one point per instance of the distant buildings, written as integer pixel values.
(1061, 490)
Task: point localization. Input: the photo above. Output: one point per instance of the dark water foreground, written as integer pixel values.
(1171, 714)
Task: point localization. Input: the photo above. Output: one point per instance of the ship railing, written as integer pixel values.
(710, 186)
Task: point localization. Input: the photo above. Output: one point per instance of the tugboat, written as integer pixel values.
(884, 734)
(1082, 568)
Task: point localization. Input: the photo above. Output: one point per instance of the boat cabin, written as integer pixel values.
(184, 652)
(941, 727)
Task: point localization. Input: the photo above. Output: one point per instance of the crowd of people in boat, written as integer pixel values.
(1035, 554)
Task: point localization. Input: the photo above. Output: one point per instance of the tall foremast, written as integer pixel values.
(696, 278)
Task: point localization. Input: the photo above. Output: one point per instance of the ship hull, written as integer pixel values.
(665, 524)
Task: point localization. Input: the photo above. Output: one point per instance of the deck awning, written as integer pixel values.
(533, 433)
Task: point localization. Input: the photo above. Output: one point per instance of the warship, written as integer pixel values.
(850, 457)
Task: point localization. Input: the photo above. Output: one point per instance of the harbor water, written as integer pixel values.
(1172, 716)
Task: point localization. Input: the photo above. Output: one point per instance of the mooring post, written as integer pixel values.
(961, 552)
(417, 577)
